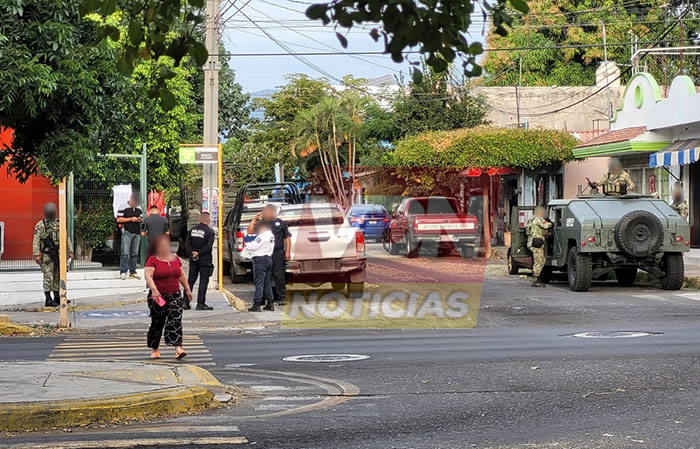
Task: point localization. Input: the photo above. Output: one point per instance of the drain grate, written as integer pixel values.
(326, 358)
(614, 334)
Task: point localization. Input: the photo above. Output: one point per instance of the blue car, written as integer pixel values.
(371, 219)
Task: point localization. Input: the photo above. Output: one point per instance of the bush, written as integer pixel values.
(485, 147)
(94, 224)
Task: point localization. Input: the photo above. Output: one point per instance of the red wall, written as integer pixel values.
(21, 206)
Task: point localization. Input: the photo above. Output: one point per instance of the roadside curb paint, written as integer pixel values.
(195, 393)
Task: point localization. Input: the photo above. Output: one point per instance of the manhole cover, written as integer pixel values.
(326, 358)
(614, 334)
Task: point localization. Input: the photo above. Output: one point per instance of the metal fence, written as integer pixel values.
(91, 209)
(91, 223)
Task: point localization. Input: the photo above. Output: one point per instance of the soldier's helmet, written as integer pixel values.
(50, 211)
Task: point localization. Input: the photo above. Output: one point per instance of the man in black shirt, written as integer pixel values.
(282, 251)
(129, 217)
(200, 242)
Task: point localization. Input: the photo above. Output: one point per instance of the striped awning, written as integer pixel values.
(681, 152)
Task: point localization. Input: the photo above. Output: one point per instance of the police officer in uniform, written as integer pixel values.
(282, 250)
(538, 228)
(200, 243)
(680, 205)
(616, 181)
(45, 251)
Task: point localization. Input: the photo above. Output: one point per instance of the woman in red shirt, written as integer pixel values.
(164, 276)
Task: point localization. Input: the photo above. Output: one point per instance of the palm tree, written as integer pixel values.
(353, 105)
(317, 132)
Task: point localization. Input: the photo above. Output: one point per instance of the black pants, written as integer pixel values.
(201, 269)
(262, 267)
(166, 321)
(279, 272)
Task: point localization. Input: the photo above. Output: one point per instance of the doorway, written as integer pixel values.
(694, 203)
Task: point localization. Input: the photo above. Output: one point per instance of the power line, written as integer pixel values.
(326, 45)
(486, 50)
(223, 21)
(289, 51)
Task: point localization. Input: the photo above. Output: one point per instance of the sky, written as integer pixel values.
(284, 20)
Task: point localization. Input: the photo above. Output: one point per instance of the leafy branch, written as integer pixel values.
(154, 29)
(437, 27)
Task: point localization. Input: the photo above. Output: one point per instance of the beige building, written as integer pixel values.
(549, 106)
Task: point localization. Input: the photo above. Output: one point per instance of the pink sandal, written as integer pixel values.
(180, 353)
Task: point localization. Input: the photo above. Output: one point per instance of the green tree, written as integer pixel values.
(148, 30)
(550, 33)
(59, 92)
(320, 134)
(164, 130)
(146, 122)
(276, 131)
(432, 104)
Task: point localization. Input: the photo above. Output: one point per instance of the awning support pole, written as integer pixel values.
(669, 172)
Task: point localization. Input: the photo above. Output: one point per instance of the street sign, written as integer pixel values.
(198, 155)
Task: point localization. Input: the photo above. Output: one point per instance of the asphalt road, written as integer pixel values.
(517, 379)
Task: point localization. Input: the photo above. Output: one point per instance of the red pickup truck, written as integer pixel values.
(424, 225)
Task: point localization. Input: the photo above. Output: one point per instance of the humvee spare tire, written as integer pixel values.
(639, 233)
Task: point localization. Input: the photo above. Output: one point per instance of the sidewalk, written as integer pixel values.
(42, 395)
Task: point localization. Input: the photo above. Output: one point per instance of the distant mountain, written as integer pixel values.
(265, 93)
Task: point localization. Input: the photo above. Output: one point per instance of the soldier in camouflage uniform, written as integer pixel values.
(680, 205)
(45, 251)
(538, 227)
(615, 178)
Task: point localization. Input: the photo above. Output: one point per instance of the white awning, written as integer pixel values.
(681, 152)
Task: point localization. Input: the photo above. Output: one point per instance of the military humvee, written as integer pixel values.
(593, 235)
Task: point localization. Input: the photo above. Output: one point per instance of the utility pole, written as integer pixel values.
(211, 106)
(607, 80)
(62, 254)
(517, 88)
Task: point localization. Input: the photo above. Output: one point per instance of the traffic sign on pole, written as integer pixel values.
(199, 155)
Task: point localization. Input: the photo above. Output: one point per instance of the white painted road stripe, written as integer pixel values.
(269, 388)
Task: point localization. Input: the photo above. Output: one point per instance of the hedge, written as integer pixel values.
(485, 147)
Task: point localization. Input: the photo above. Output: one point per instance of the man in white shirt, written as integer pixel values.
(259, 249)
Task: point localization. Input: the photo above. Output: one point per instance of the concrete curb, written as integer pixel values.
(149, 405)
(172, 390)
(234, 301)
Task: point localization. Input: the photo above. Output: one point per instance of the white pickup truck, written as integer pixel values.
(325, 247)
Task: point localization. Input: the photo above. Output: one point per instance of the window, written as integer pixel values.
(312, 216)
(433, 206)
(361, 209)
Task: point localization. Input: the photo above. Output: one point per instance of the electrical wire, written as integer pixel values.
(486, 50)
(223, 21)
(329, 46)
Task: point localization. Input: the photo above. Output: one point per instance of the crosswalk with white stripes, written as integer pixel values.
(127, 348)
